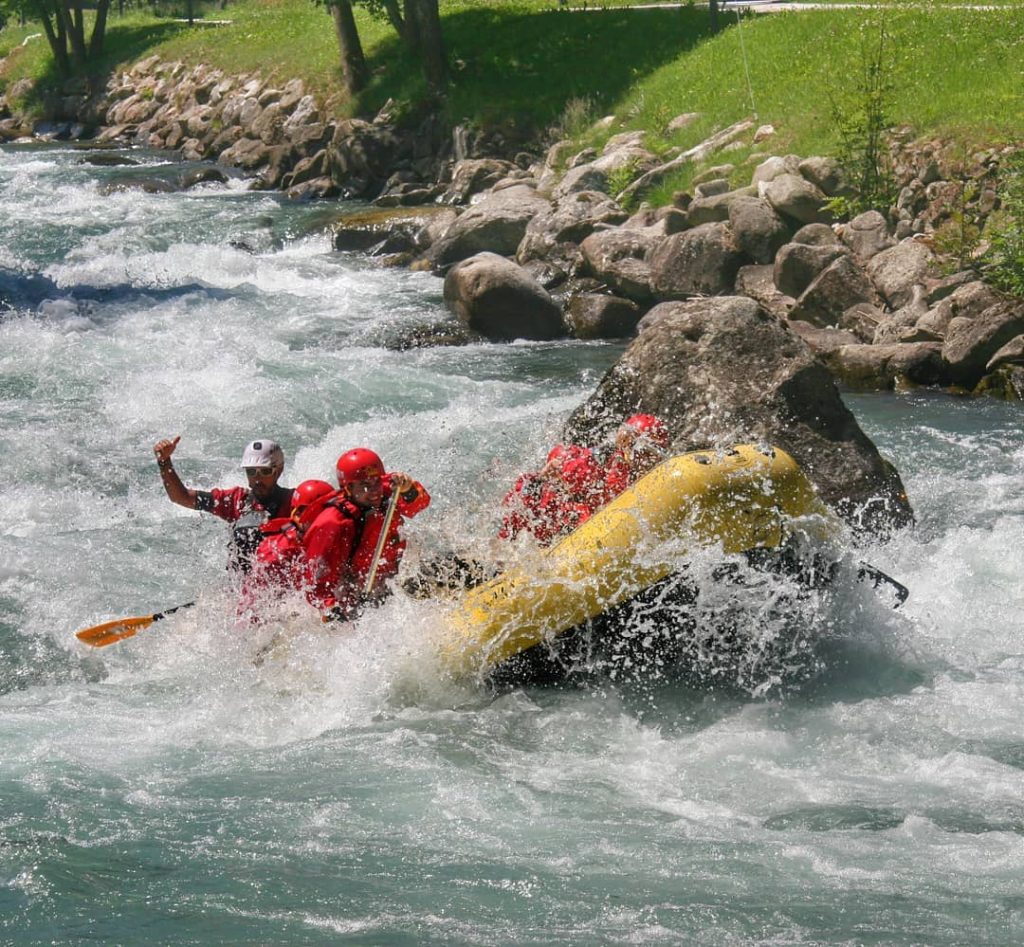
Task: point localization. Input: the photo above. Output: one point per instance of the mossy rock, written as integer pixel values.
(1005, 383)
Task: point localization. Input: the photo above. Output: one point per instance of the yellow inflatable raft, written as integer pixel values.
(739, 500)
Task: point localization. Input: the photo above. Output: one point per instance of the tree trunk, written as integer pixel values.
(353, 62)
(99, 29)
(400, 23)
(713, 11)
(431, 41)
(57, 46)
(74, 30)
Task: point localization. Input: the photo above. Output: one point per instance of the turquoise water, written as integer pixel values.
(166, 790)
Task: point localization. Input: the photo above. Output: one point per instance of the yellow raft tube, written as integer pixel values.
(740, 499)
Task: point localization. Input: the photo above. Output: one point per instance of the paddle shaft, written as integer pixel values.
(371, 575)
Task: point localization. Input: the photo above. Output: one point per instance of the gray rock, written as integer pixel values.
(883, 367)
(384, 228)
(306, 112)
(758, 230)
(269, 126)
(498, 299)
(972, 343)
(496, 224)
(796, 198)
(816, 235)
(835, 289)
(585, 177)
(797, 264)
(722, 371)
(596, 316)
(702, 261)
(712, 188)
(968, 300)
(939, 289)
(1010, 354)
(713, 209)
(901, 326)
(862, 320)
(758, 283)
(474, 175)
(618, 258)
(822, 341)
(364, 155)
(867, 235)
(574, 218)
(827, 175)
(897, 270)
(773, 167)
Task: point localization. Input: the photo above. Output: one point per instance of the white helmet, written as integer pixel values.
(263, 453)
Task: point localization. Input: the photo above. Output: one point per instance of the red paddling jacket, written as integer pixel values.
(340, 543)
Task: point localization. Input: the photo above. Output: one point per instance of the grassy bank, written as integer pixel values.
(529, 64)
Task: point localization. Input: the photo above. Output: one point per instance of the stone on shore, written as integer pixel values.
(496, 224)
(499, 299)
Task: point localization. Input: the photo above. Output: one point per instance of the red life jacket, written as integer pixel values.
(340, 544)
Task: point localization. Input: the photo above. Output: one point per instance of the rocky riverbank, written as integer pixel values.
(746, 303)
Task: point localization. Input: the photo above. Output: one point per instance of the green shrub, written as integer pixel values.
(1003, 261)
(861, 114)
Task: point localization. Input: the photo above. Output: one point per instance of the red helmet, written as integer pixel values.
(359, 464)
(578, 469)
(557, 452)
(651, 428)
(308, 499)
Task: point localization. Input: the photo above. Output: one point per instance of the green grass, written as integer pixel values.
(521, 63)
(955, 73)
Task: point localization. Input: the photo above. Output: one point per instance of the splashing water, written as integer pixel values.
(850, 774)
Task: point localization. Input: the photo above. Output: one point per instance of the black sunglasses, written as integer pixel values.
(258, 471)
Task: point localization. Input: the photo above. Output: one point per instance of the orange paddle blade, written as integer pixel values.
(110, 631)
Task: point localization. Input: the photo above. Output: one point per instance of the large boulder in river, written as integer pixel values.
(722, 371)
(500, 300)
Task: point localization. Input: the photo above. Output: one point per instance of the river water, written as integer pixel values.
(167, 790)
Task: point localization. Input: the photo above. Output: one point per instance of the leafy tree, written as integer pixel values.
(63, 22)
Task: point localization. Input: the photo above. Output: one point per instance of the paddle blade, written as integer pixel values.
(99, 636)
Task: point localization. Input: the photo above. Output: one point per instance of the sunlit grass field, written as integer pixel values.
(532, 65)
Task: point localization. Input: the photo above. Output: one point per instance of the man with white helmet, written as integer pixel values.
(246, 508)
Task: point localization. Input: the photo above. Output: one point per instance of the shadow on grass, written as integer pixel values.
(123, 45)
(511, 67)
